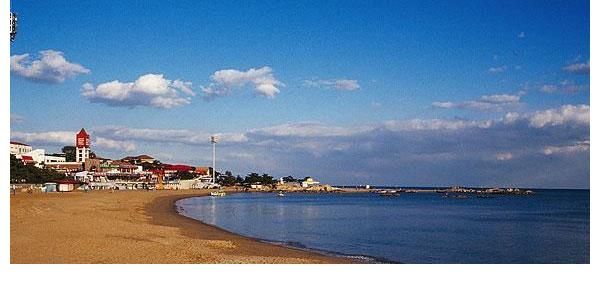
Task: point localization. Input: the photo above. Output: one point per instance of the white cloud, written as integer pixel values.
(51, 67)
(224, 82)
(500, 99)
(549, 89)
(185, 136)
(521, 35)
(307, 129)
(338, 84)
(151, 90)
(565, 87)
(444, 104)
(48, 137)
(511, 117)
(434, 124)
(581, 146)
(489, 102)
(15, 118)
(114, 144)
(578, 68)
(566, 114)
(504, 156)
(498, 69)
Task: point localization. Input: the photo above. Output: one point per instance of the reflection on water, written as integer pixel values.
(549, 227)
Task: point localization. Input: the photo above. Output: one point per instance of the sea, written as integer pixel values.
(550, 226)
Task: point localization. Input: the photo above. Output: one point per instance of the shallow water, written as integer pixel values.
(551, 226)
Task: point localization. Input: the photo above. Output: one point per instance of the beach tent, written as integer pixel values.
(66, 185)
(49, 187)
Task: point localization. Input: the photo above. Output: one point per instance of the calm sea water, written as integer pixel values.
(551, 226)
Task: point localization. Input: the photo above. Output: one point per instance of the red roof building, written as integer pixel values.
(178, 168)
(82, 139)
(202, 171)
(82, 144)
(18, 143)
(27, 160)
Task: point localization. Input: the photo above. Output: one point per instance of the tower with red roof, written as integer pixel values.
(82, 144)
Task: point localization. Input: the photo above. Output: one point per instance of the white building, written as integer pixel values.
(37, 155)
(49, 159)
(309, 182)
(18, 148)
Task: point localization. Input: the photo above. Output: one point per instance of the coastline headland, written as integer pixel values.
(130, 227)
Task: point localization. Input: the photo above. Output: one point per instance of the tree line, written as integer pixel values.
(20, 173)
(228, 179)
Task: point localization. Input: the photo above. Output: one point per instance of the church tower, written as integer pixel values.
(82, 142)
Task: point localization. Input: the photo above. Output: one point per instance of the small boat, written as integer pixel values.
(217, 193)
(280, 194)
(388, 193)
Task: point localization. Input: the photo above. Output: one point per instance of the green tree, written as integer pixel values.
(69, 152)
(185, 175)
(20, 173)
(227, 179)
(267, 179)
(252, 178)
(289, 179)
(239, 180)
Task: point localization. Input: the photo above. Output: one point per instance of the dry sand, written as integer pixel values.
(129, 227)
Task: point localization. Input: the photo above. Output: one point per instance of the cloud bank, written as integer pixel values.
(517, 149)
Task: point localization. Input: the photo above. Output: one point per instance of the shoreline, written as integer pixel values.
(131, 227)
(173, 202)
(349, 258)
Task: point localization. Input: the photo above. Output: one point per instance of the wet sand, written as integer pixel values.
(130, 227)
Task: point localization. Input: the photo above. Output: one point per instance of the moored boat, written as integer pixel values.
(388, 193)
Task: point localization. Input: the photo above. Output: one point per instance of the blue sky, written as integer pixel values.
(339, 75)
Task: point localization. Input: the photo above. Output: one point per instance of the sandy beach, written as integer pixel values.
(130, 227)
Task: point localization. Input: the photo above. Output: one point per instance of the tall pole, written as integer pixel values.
(213, 140)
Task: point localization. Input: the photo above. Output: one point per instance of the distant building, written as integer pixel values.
(51, 158)
(65, 167)
(146, 159)
(92, 164)
(171, 169)
(136, 160)
(27, 160)
(202, 171)
(82, 145)
(310, 182)
(18, 148)
(37, 156)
